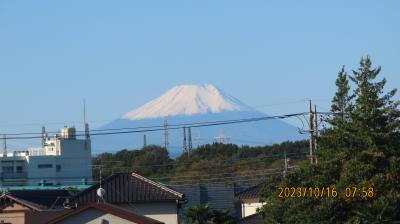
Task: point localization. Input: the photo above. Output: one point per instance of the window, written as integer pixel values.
(20, 169)
(8, 169)
(45, 165)
(104, 221)
(58, 168)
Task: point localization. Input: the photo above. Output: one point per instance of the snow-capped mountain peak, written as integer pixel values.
(187, 100)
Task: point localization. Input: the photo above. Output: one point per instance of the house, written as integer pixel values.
(31, 206)
(122, 195)
(62, 160)
(249, 200)
(102, 213)
(136, 194)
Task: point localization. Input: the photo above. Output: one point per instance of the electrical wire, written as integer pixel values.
(159, 127)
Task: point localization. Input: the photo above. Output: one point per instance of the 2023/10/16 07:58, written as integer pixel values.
(326, 192)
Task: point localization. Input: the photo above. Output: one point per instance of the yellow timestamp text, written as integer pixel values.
(326, 192)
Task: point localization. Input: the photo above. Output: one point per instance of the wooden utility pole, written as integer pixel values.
(315, 132)
(285, 170)
(312, 123)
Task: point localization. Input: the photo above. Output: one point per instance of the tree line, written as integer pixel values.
(358, 151)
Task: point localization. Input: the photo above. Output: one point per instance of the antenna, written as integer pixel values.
(100, 191)
(43, 136)
(84, 111)
(166, 143)
(86, 125)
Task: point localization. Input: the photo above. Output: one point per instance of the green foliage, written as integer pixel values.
(203, 214)
(149, 161)
(359, 148)
(231, 162)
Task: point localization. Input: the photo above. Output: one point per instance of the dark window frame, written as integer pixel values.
(45, 166)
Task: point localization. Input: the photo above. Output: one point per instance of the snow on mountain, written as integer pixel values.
(193, 104)
(188, 100)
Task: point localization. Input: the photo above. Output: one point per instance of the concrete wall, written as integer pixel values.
(164, 211)
(94, 216)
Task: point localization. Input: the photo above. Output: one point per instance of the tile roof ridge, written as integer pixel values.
(157, 184)
(29, 204)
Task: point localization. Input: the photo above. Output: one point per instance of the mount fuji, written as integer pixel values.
(192, 104)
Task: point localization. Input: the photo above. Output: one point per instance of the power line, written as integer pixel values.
(161, 127)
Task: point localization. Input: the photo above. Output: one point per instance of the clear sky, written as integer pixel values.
(120, 54)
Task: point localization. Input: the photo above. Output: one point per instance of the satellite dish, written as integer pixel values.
(101, 192)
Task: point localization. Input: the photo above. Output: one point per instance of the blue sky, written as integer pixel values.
(120, 54)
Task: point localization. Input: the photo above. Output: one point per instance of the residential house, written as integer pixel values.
(31, 206)
(249, 200)
(101, 213)
(136, 194)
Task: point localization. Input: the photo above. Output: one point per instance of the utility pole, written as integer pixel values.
(313, 127)
(166, 143)
(286, 164)
(4, 146)
(144, 141)
(315, 132)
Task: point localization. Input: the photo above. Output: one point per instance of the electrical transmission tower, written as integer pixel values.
(222, 138)
(190, 138)
(166, 143)
(185, 146)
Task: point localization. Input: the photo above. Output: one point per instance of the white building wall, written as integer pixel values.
(36, 172)
(94, 216)
(166, 212)
(68, 164)
(250, 208)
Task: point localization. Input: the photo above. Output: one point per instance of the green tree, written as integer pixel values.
(203, 214)
(341, 102)
(360, 148)
(198, 214)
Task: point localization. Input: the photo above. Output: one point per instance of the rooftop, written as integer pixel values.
(128, 188)
(249, 193)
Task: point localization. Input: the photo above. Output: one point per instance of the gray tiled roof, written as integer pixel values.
(250, 193)
(37, 199)
(128, 188)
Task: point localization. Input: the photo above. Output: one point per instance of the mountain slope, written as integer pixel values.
(187, 100)
(192, 104)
